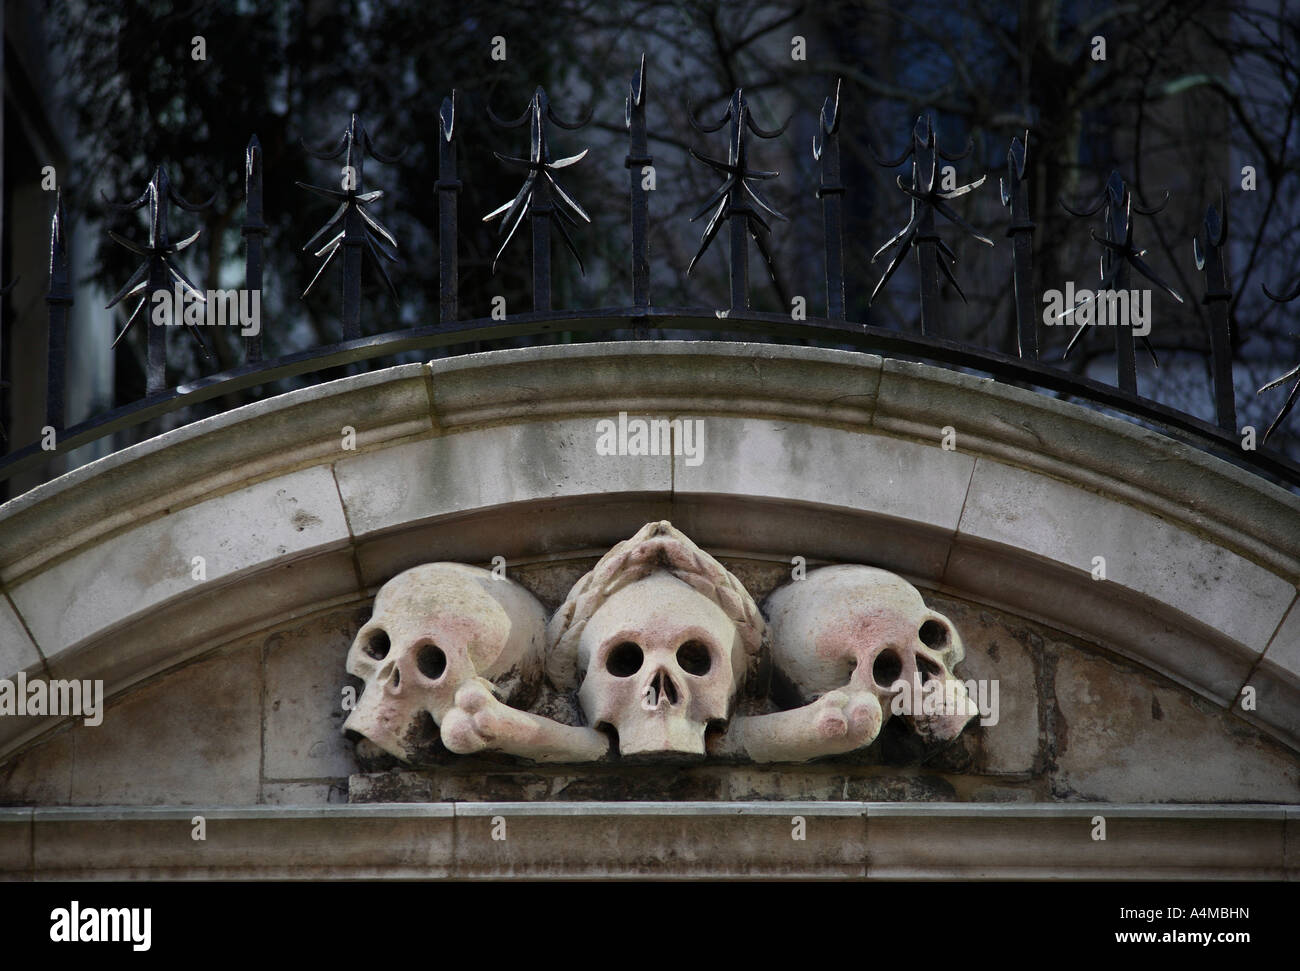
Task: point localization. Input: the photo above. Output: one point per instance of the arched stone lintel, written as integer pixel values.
(828, 455)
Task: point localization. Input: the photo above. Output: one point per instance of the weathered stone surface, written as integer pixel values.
(391, 786)
(1276, 703)
(1009, 842)
(488, 467)
(16, 844)
(1068, 526)
(999, 649)
(193, 737)
(1098, 452)
(1271, 696)
(825, 781)
(305, 793)
(490, 787)
(550, 582)
(649, 377)
(597, 840)
(302, 730)
(870, 474)
(520, 534)
(678, 840)
(900, 789)
(692, 783)
(212, 617)
(1283, 651)
(143, 567)
(1126, 737)
(742, 525)
(822, 782)
(188, 465)
(762, 577)
(280, 842)
(17, 652)
(41, 776)
(999, 794)
(1066, 599)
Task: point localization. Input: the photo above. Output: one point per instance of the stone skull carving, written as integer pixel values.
(857, 643)
(436, 628)
(661, 637)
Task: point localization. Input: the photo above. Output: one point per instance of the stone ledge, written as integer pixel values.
(1057, 438)
(1134, 464)
(634, 840)
(664, 377)
(207, 458)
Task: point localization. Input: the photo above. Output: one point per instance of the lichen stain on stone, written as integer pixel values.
(303, 519)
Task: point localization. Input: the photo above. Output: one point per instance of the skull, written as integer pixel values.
(433, 628)
(662, 662)
(869, 629)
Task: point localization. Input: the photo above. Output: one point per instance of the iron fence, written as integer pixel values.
(542, 201)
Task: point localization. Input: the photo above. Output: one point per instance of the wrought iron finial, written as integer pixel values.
(1293, 373)
(254, 232)
(826, 149)
(920, 231)
(448, 188)
(540, 195)
(735, 197)
(1015, 196)
(158, 272)
(1217, 299)
(355, 230)
(637, 161)
(1118, 255)
(58, 299)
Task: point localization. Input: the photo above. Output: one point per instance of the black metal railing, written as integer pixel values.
(544, 203)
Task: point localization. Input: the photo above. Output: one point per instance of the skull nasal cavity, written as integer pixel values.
(933, 633)
(665, 687)
(377, 645)
(431, 661)
(694, 658)
(887, 668)
(624, 660)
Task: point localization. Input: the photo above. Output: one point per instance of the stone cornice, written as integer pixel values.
(673, 841)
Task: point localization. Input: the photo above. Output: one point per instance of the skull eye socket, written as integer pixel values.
(694, 658)
(376, 645)
(431, 661)
(933, 634)
(887, 667)
(624, 660)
